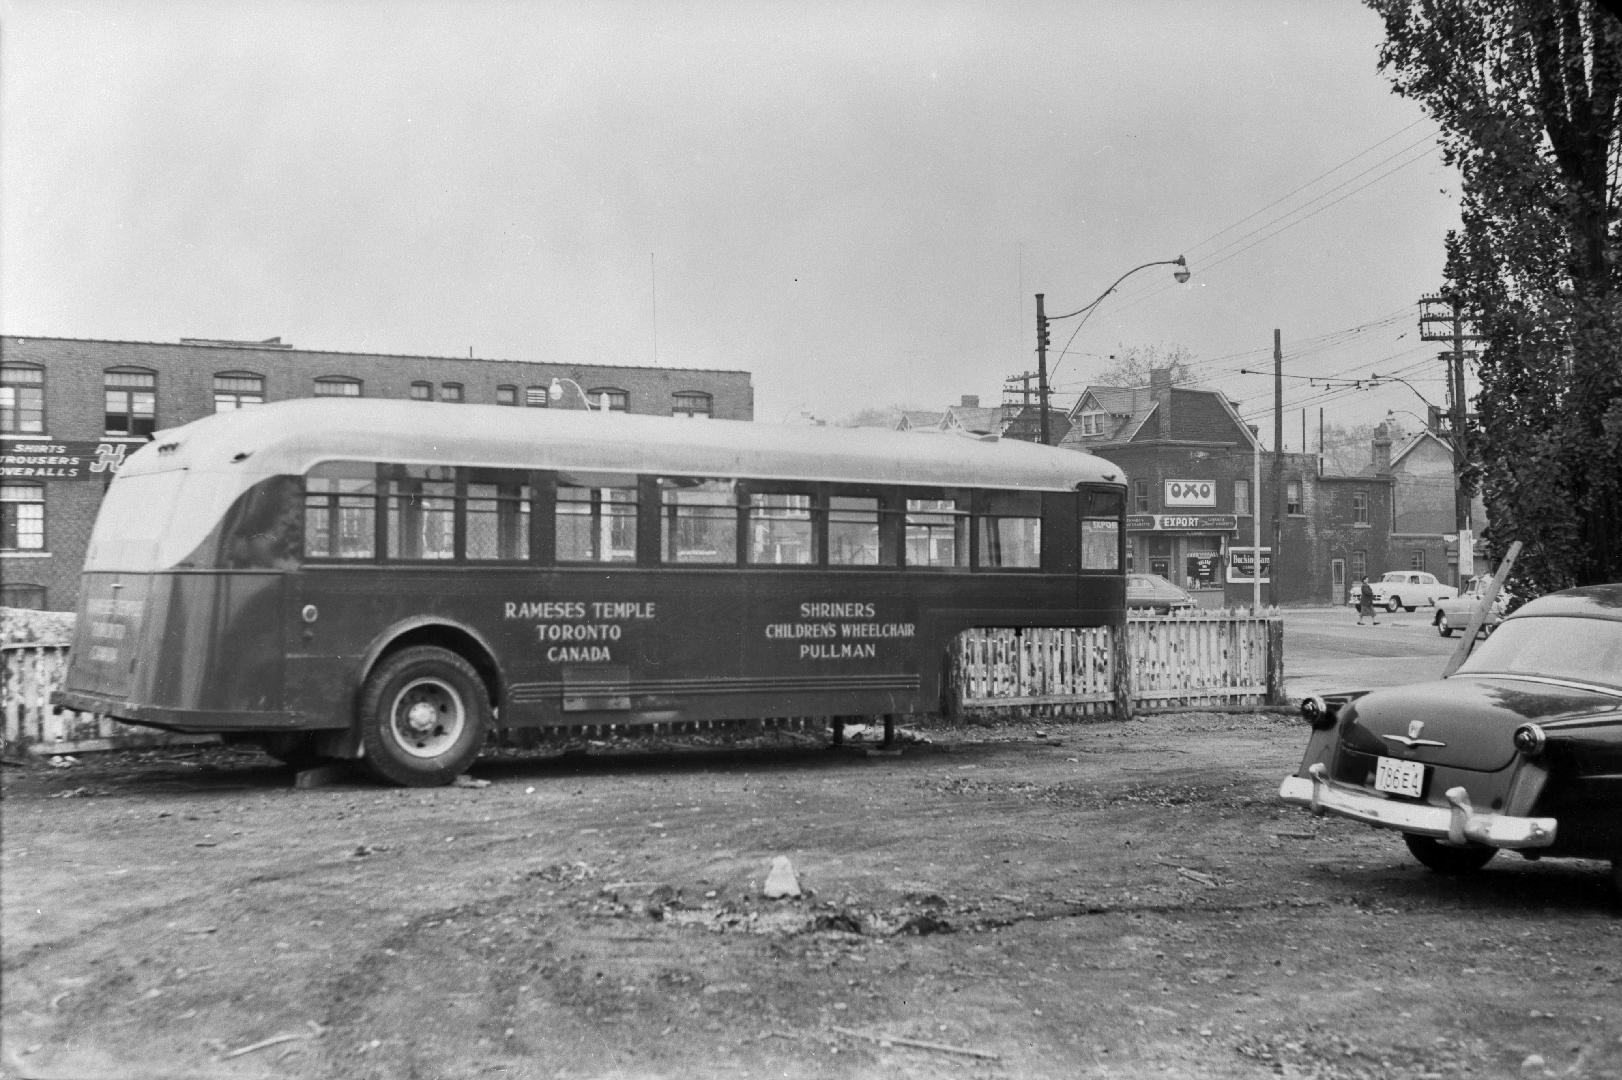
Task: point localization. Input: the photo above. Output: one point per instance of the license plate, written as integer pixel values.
(1399, 777)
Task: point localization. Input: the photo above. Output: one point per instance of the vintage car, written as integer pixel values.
(1155, 593)
(1455, 614)
(1520, 748)
(1405, 589)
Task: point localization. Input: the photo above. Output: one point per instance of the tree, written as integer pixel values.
(1129, 365)
(1527, 95)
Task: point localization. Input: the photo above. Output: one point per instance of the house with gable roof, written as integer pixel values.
(1424, 522)
(1189, 459)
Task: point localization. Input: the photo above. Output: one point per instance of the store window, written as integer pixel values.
(131, 397)
(22, 399)
(22, 517)
(238, 390)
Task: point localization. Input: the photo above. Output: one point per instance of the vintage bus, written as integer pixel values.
(389, 581)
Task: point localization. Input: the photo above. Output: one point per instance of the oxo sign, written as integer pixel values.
(1190, 493)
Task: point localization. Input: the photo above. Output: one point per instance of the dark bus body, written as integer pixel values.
(388, 580)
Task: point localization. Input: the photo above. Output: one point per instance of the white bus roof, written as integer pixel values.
(291, 437)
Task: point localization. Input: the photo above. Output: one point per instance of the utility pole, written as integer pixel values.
(1042, 367)
(1024, 379)
(1278, 457)
(1458, 417)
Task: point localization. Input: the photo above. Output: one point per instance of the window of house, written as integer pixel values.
(1241, 496)
(690, 403)
(1092, 423)
(1416, 559)
(337, 386)
(422, 391)
(1140, 496)
(537, 397)
(451, 391)
(606, 396)
(506, 395)
(22, 517)
(698, 520)
(238, 390)
(780, 529)
(131, 398)
(1292, 496)
(20, 594)
(1360, 565)
(1360, 506)
(937, 532)
(22, 399)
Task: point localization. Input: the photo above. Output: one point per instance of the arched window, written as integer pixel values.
(22, 399)
(131, 396)
(506, 395)
(238, 390)
(337, 386)
(615, 400)
(422, 391)
(691, 403)
(450, 391)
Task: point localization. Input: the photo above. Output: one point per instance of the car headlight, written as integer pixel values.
(1530, 740)
(1315, 711)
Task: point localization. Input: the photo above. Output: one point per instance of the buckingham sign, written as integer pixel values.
(39, 459)
(1242, 564)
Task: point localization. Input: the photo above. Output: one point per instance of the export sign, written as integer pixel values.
(1182, 522)
(38, 459)
(1190, 493)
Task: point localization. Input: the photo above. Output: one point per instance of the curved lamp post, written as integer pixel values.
(1042, 319)
(555, 393)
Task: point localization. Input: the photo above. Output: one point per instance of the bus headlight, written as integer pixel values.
(310, 613)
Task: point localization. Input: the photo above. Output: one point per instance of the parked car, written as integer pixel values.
(1520, 749)
(1456, 613)
(1155, 593)
(1405, 589)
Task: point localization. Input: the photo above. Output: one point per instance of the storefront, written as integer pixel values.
(1185, 549)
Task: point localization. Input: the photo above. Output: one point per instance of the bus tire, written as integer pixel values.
(423, 716)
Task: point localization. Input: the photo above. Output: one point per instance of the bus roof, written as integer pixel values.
(290, 437)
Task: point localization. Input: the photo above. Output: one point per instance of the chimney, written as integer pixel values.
(971, 401)
(1382, 450)
(1160, 391)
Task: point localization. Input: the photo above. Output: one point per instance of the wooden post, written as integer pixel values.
(1121, 676)
(1479, 615)
(1275, 662)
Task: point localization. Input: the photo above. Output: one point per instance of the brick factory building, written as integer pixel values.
(72, 408)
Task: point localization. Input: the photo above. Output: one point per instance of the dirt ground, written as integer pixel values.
(1036, 899)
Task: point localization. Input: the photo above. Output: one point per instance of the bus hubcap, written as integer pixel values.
(428, 718)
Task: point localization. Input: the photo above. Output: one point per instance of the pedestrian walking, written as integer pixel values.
(1365, 603)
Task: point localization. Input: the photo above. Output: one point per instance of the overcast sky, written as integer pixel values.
(856, 202)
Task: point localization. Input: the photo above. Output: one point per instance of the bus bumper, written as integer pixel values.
(189, 721)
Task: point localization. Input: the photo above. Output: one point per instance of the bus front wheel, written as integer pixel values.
(424, 712)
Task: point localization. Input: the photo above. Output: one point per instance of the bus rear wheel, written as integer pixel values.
(423, 716)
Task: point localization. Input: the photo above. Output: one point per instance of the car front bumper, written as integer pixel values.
(1457, 823)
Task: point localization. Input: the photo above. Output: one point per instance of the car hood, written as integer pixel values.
(1473, 716)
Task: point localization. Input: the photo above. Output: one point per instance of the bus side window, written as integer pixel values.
(1102, 512)
(938, 532)
(699, 520)
(498, 515)
(340, 511)
(781, 529)
(853, 531)
(595, 518)
(1010, 529)
(421, 520)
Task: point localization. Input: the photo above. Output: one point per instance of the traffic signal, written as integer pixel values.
(1042, 338)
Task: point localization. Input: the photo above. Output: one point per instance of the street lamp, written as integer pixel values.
(1042, 319)
(555, 393)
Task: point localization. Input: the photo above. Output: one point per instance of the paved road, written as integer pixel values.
(1326, 650)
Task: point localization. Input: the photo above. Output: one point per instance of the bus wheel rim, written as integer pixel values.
(427, 718)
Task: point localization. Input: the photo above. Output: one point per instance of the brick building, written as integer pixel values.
(71, 408)
(1189, 461)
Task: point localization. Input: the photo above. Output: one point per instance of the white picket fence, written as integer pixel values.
(1198, 659)
(1204, 659)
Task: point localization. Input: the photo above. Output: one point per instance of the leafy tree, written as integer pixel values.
(1527, 95)
(1129, 365)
